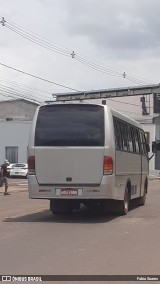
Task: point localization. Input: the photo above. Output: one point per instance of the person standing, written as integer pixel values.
(4, 175)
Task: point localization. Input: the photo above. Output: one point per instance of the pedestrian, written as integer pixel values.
(4, 175)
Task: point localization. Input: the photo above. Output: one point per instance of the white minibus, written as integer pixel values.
(83, 153)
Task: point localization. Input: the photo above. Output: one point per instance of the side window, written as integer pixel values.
(118, 134)
(143, 143)
(124, 136)
(147, 137)
(133, 139)
(136, 140)
(11, 154)
(130, 139)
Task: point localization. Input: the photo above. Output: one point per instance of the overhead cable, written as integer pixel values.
(24, 90)
(37, 77)
(39, 40)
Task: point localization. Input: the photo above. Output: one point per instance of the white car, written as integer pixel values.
(19, 169)
(9, 168)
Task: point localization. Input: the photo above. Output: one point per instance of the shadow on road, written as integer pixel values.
(83, 215)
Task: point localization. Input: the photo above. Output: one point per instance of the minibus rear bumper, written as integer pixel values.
(105, 190)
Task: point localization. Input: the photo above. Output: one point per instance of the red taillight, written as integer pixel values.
(31, 165)
(108, 165)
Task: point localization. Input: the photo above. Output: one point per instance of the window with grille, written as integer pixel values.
(12, 154)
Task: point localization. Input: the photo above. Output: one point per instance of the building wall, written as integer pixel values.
(17, 109)
(14, 133)
(130, 106)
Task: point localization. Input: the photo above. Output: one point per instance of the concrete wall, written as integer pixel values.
(14, 133)
(130, 106)
(17, 109)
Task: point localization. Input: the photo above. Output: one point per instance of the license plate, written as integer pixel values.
(69, 191)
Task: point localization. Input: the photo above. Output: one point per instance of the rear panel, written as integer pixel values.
(69, 148)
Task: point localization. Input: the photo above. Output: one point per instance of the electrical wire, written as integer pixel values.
(38, 42)
(59, 50)
(96, 67)
(26, 90)
(63, 51)
(34, 36)
(11, 82)
(106, 70)
(31, 96)
(123, 102)
(14, 93)
(37, 77)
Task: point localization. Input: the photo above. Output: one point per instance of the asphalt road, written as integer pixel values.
(33, 241)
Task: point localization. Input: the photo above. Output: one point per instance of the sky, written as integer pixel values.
(101, 44)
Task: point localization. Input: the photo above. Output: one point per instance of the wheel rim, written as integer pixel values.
(144, 197)
(126, 203)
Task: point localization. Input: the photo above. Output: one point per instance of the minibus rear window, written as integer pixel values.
(70, 125)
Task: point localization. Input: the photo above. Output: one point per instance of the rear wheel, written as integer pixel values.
(124, 204)
(142, 199)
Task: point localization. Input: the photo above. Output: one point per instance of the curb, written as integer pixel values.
(154, 178)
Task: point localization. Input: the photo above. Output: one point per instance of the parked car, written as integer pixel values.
(19, 169)
(9, 168)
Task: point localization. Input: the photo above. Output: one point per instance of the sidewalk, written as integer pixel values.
(155, 174)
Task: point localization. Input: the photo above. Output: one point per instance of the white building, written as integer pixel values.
(15, 121)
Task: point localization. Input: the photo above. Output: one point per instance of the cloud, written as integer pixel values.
(123, 34)
(118, 27)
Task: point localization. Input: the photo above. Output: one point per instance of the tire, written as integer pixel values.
(124, 204)
(142, 199)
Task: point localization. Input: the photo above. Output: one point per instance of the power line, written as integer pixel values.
(39, 42)
(14, 93)
(11, 82)
(60, 50)
(33, 97)
(29, 92)
(37, 77)
(63, 51)
(97, 68)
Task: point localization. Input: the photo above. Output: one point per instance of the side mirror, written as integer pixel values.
(155, 146)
